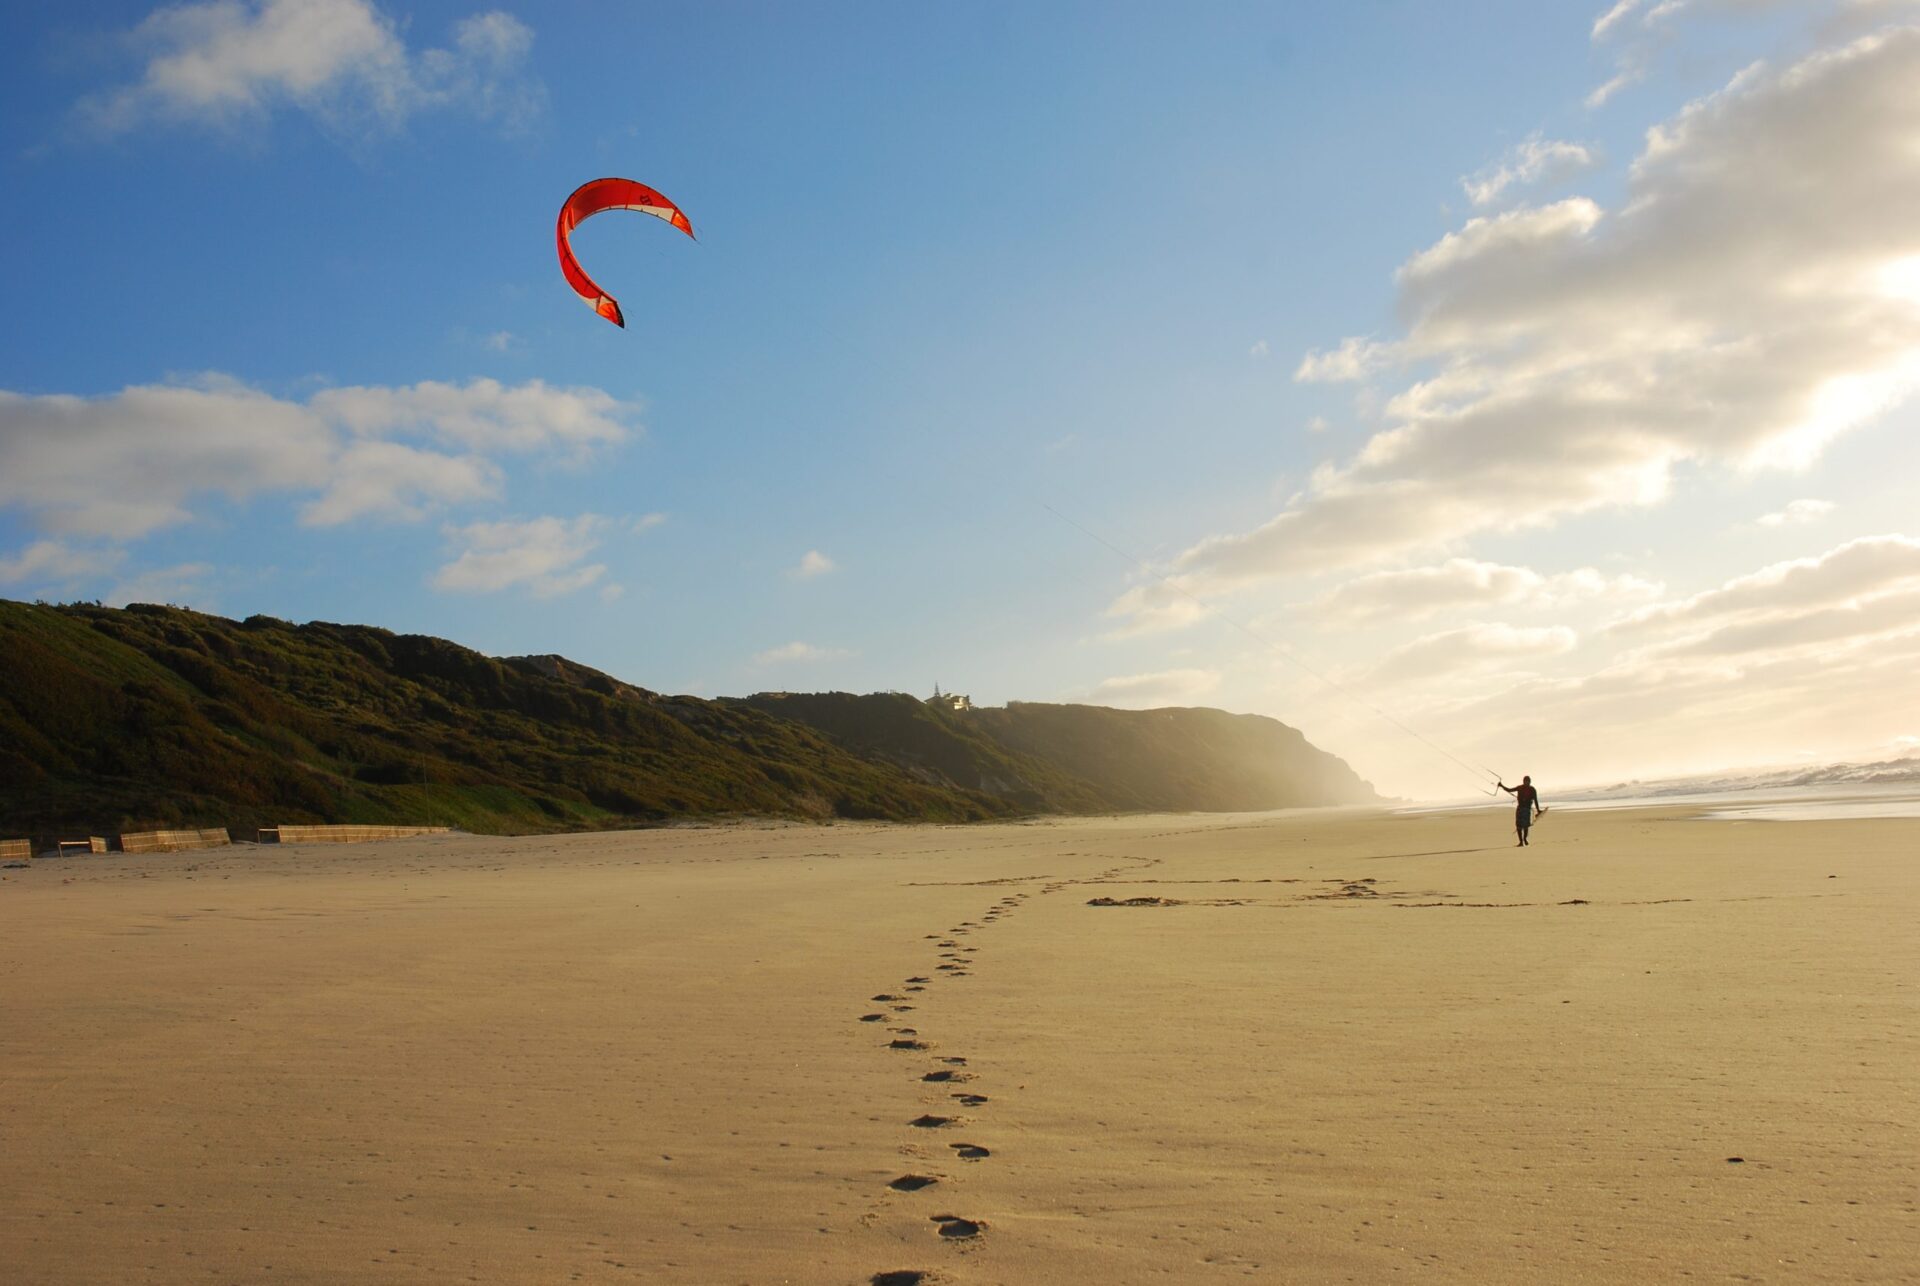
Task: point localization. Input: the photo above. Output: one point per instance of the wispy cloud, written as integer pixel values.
(1159, 688)
(1797, 513)
(544, 556)
(812, 563)
(798, 651)
(1534, 160)
(482, 414)
(1471, 649)
(1464, 583)
(1355, 359)
(54, 562)
(345, 63)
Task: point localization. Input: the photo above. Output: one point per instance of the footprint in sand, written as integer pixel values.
(883, 996)
(928, 1121)
(970, 1151)
(913, 1182)
(971, 1100)
(955, 1226)
(899, 1277)
(903, 1031)
(947, 1078)
(871, 1018)
(906, 1044)
(919, 980)
(915, 987)
(956, 1061)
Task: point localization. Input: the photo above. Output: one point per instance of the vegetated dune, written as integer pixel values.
(159, 717)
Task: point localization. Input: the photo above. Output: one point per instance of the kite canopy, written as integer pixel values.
(590, 199)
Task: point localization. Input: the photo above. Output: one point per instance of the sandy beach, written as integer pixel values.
(1341, 1047)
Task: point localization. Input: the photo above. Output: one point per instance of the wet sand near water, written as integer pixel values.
(1294, 1047)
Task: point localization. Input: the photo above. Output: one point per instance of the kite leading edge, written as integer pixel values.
(590, 199)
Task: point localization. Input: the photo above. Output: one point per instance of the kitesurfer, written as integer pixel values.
(1528, 801)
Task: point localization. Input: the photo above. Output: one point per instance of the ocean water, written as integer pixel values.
(1827, 801)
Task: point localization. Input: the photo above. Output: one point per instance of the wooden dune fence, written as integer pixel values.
(173, 841)
(16, 850)
(343, 834)
(91, 844)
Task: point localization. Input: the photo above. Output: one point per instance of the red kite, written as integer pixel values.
(590, 199)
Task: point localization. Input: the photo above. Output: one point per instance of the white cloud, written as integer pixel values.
(1845, 624)
(1532, 161)
(53, 562)
(1606, 89)
(1419, 592)
(1607, 22)
(1471, 648)
(1796, 513)
(1162, 687)
(1846, 576)
(1259, 349)
(813, 563)
(647, 522)
(482, 415)
(1641, 30)
(343, 62)
(1741, 308)
(127, 464)
(1355, 359)
(798, 651)
(499, 341)
(1153, 606)
(394, 481)
(124, 465)
(1318, 424)
(544, 556)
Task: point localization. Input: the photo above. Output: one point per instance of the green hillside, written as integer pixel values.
(1178, 759)
(115, 720)
(122, 720)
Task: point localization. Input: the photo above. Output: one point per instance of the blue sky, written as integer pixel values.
(284, 334)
